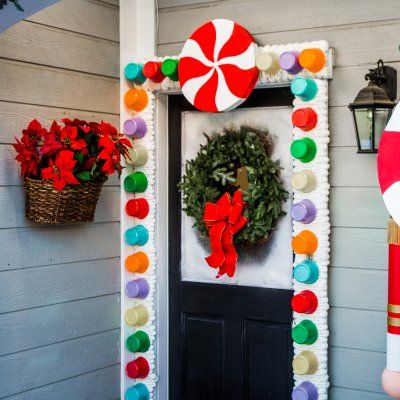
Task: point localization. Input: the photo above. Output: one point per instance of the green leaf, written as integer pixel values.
(84, 176)
(79, 157)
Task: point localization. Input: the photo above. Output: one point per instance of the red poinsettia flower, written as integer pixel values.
(28, 157)
(112, 160)
(52, 143)
(33, 134)
(74, 122)
(110, 139)
(106, 129)
(96, 147)
(69, 137)
(94, 126)
(61, 169)
(78, 123)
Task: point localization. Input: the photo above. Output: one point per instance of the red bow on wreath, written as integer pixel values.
(223, 220)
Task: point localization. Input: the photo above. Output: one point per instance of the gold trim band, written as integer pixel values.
(393, 321)
(393, 308)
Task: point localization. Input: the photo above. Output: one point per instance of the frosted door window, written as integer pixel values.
(269, 264)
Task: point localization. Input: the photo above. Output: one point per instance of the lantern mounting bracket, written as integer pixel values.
(385, 77)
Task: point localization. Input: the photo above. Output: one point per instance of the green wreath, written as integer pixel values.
(214, 171)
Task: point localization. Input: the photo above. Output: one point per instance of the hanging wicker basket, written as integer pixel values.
(75, 203)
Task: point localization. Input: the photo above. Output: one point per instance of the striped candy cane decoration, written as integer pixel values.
(389, 181)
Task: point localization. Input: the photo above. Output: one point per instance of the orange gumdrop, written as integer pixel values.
(312, 60)
(138, 262)
(305, 243)
(136, 99)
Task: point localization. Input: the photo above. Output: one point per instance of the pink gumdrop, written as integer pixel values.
(391, 383)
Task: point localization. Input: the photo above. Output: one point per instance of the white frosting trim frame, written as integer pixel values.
(320, 226)
(150, 248)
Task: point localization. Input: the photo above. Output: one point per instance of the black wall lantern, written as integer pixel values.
(373, 106)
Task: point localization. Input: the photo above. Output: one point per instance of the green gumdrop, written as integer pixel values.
(136, 182)
(305, 332)
(138, 342)
(169, 68)
(304, 149)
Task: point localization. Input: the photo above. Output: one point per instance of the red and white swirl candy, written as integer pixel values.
(217, 68)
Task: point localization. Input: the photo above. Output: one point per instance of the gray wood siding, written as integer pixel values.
(59, 286)
(360, 35)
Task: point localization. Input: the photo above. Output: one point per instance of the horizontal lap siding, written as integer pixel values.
(101, 384)
(54, 87)
(88, 17)
(35, 287)
(38, 44)
(44, 325)
(358, 272)
(59, 285)
(42, 366)
(34, 246)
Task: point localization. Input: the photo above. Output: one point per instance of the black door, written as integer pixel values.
(226, 342)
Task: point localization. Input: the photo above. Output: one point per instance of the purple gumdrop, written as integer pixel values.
(141, 129)
(138, 288)
(129, 127)
(304, 211)
(305, 391)
(289, 61)
(135, 127)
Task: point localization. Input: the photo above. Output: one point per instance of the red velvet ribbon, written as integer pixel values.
(223, 220)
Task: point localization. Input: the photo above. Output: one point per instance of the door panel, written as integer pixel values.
(267, 349)
(204, 358)
(235, 301)
(226, 342)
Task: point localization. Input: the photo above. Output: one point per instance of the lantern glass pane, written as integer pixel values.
(364, 120)
(382, 116)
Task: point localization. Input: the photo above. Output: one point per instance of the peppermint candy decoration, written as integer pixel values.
(217, 68)
(389, 165)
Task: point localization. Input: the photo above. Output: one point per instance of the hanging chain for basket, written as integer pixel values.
(16, 4)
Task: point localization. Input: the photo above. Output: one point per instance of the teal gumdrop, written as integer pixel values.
(306, 272)
(134, 73)
(304, 88)
(137, 236)
(137, 392)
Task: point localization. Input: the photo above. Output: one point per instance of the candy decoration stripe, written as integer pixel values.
(277, 74)
(310, 182)
(316, 190)
(140, 262)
